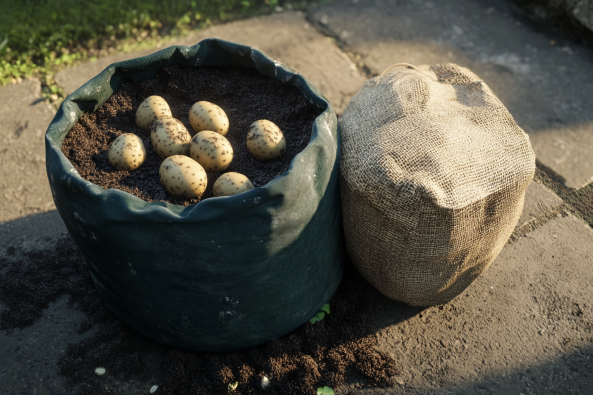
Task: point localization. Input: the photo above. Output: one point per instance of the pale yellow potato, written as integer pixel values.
(152, 108)
(183, 177)
(212, 150)
(169, 137)
(231, 183)
(265, 141)
(204, 115)
(127, 152)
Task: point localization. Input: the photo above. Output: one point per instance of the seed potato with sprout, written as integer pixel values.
(265, 141)
(230, 184)
(212, 150)
(183, 177)
(152, 108)
(127, 152)
(169, 137)
(204, 115)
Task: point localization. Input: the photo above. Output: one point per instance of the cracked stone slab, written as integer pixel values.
(544, 79)
(286, 37)
(24, 118)
(524, 326)
(538, 200)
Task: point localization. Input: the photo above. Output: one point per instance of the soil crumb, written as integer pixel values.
(326, 353)
(245, 95)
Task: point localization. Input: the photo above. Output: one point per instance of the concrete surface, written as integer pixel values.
(286, 37)
(524, 327)
(24, 117)
(544, 80)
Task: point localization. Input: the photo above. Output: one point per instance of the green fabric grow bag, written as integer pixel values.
(227, 273)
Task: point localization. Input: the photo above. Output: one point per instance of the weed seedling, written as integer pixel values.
(325, 391)
(319, 316)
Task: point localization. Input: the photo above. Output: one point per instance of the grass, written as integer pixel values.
(40, 37)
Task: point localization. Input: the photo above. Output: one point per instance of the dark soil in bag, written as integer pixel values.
(245, 95)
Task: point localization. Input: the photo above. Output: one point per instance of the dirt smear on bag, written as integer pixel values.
(326, 353)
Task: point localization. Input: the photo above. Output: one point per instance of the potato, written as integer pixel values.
(231, 183)
(152, 108)
(265, 141)
(127, 152)
(183, 177)
(212, 150)
(169, 137)
(204, 115)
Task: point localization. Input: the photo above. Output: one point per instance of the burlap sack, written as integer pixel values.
(433, 176)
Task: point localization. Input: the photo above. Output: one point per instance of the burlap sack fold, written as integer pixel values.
(433, 177)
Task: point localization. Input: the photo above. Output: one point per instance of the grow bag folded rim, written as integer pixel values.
(74, 106)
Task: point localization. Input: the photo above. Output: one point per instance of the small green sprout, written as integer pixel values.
(233, 386)
(319, 316)
(325, 391)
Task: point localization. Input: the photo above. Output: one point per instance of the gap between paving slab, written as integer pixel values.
(286, 37)
(544, 79)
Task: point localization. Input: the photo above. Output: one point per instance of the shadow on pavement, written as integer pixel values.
(387, 311)
(31, 232)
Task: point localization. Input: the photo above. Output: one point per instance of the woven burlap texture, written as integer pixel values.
(433, 177)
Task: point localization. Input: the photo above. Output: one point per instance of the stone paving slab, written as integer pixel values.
(286, 37)
(525, 326)
(544, 79)
(538, 200)
(567, 150)
(24, 118)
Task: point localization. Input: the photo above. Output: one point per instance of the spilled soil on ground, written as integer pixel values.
(326, 353)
